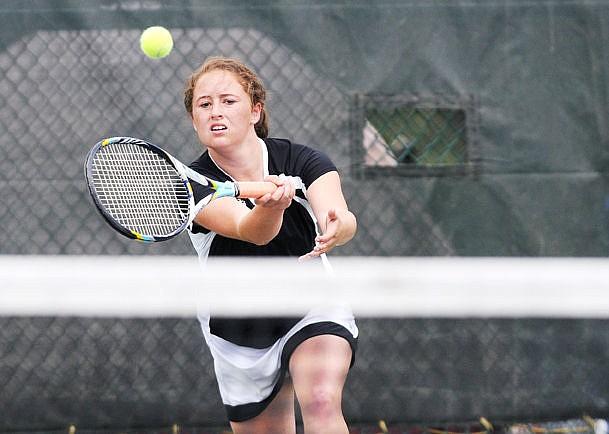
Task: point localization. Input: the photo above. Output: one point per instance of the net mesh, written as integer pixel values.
(120, 348)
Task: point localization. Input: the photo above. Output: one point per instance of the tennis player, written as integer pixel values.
(261, 364)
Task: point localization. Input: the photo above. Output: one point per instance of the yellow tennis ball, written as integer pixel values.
(156, 42)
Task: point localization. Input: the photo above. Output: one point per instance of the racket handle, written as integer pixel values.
(255, 189)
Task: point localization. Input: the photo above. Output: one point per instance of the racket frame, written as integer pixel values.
(185, 173)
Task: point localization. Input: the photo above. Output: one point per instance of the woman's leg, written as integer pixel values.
(277, 418)
(319, 368)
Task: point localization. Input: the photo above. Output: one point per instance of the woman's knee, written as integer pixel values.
(319, 368)
(321, 401)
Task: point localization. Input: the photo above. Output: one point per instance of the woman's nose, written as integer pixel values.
(215, 111)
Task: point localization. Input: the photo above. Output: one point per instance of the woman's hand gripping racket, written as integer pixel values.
(145, 193)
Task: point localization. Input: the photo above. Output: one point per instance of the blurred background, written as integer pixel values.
(460, 128)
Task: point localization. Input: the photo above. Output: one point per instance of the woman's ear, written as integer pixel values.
(255, 116)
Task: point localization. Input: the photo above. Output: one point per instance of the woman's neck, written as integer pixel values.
(242, 163)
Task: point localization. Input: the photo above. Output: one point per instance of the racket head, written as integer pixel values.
(139, 189)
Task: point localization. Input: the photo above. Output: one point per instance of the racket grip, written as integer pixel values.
(254, 189)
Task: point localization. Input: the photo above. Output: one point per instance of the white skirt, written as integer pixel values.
(249, 378)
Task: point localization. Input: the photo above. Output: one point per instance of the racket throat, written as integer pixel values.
(226, 189)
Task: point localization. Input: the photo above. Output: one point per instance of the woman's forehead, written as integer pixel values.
(218, 82)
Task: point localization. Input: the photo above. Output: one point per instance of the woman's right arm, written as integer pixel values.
(233, 219)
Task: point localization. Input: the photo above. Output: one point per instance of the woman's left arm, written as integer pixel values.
(336, 222)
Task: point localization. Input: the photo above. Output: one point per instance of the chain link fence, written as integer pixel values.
(61, 91)
(64, 90)
(72, 74)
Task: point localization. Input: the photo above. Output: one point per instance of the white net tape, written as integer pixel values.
(159, 286)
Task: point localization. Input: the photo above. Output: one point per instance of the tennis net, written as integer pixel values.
(136, 286)
(102, 343)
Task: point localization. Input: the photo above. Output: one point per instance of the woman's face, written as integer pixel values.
(222, 113)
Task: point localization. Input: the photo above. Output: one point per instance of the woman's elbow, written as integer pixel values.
(261, 241)
(350, 223)
(261, 238)
(254, 232)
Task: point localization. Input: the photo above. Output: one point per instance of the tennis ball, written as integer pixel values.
(156, 42)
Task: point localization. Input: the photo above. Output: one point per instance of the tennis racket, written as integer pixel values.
(145, 193)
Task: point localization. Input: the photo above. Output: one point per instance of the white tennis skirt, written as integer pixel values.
(249, 378)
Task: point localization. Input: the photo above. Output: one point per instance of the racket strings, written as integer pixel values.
(140, 189)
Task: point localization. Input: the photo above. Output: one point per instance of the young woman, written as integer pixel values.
(261, 364)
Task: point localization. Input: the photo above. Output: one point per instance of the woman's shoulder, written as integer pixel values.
(201, 161)
(297, 159)
(278, 142)
(206, 166)
(286, 145)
